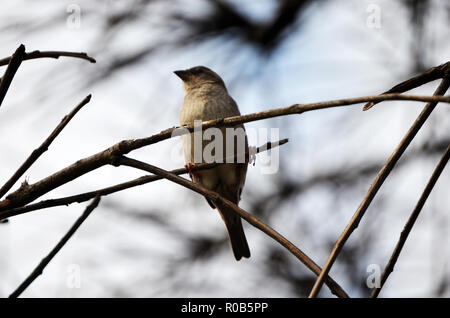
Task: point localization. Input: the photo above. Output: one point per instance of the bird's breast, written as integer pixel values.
(206, 104)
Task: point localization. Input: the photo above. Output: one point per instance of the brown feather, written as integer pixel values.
(207, 98)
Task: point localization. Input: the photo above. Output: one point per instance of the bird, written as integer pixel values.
(206, 98)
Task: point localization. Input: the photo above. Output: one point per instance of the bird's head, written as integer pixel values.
(197, 76)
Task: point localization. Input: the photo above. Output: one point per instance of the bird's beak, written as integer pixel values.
(184, 75)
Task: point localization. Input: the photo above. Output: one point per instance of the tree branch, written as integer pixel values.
(42, 148)
(412, 219)
(432, 74)
(31, 192)
(376, 184)
(119, 187)
(13, 65)
(49, 54)
(214, 197)
(45, 261)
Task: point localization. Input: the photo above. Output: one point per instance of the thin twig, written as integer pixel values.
(50, 54)
(29, 193)
(412, 219)
(430, 75)
(39, 269)
(119, 187)
(42, 148)
(214, 197)
(13, 64)
(376, 184)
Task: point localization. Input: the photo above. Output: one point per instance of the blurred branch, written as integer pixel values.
(122, 186)
(412, 219)
(217, 199)
(13, 65)
(42, 148)
(28, 193)
(120, 62)
(419, 10)
(45, 261)
(432, 74)
(376, 184)
(48, 54)
(224, 18)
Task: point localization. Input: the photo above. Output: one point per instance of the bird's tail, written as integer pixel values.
(233, 223)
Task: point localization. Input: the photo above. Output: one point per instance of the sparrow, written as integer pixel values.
(207, 98)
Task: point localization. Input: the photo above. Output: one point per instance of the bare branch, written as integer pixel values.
(376, 184)
(45, 261)
(432, 74)
(49, 54)
(42, 148)
(119, 187)
(214, 197)
(412, 219)
(13, 64)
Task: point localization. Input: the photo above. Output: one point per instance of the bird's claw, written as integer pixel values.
(191, 168)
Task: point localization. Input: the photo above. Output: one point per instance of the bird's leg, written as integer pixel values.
(191, 168)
